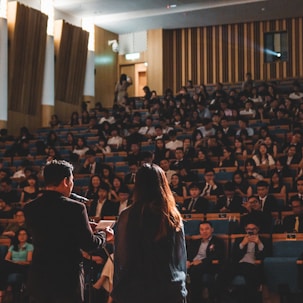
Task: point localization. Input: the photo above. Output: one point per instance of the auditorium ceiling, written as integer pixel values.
(123, 16)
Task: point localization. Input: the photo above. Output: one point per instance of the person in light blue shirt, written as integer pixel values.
(17, 259)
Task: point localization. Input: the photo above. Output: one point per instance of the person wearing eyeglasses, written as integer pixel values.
(245, 252)
(210, 187)
(255, 214)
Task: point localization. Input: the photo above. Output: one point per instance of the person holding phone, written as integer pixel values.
(246, 251)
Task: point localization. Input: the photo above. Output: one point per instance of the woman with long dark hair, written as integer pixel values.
(150, 255)
(17, 259)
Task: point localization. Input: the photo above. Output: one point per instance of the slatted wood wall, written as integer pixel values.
(27, 43)
(225, 53)
(70, 64)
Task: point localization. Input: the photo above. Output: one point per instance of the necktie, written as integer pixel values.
(206, 189)
(296, 229)
(191, 204)
(228, 202)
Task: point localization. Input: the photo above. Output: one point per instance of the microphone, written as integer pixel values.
(78, 198)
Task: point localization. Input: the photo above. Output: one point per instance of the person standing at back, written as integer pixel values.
(60, 229)
(150, 253)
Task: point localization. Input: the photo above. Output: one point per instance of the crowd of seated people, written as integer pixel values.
(218, 148)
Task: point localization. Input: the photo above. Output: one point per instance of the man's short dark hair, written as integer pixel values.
(206, 222)
(194, 185)
(55, 171)
(300, 179)
(262, 183)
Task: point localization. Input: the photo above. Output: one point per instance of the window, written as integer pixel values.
(276, 47)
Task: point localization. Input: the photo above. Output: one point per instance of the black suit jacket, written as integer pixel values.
(201, 206)
(218, 191)
(214, 250)
(59, 227)
(98, 169)
(270, 204)
(235, 205)
(109, 208)
(237, 254)
(289, 223)
(128, 179)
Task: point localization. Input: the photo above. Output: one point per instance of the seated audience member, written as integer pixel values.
(276, 185)
(178, 188)
(102, 146)
(297, 93)
(90, 165)
(161, 152)
(243, 125)
(7, 192)
(241, 185)
(134, 154)
(173, 142)
(17, 259)
(245, 251)
(209, 186)
(294, 223)
(196, 203)
(291, 156)
(268, 201)
(250, 170)
(81, 147)
(254, 214)
(105, 280)
(114, 141)
(93, 264)
(103, 206)
(202, 160)
(263, 158)
(124, 198)
(130, 177)
(93, 187)
(230, 202)
(12, 228)
(228, 159)
(298, 188)
(6, 211)
(115, 188)
(148, 130)
(31, 191)
(207, 130)
(202, 250)
(164, 164)
(187, 175)
(296, 140)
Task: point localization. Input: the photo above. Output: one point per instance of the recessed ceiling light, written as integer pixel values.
(171, 5)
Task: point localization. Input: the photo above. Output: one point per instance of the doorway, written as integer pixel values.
(138, 73)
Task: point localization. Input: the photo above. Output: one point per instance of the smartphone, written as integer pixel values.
(250, 233)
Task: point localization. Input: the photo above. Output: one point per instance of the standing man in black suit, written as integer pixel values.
(60, 230)
(202, 250)
(294, 223)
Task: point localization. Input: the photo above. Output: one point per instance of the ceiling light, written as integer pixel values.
(171, 5)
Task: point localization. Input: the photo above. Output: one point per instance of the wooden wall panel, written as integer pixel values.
(225, 53)
(26, 57)
(70, 65)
